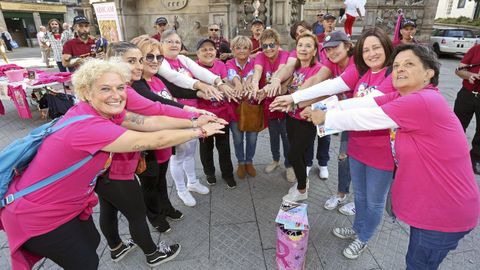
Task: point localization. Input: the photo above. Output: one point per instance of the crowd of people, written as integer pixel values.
(150, 105)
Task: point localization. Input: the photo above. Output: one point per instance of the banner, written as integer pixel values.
(108, 22)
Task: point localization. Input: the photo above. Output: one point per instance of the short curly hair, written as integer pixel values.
(241, 41)
(90, 71)
(270, 34)
(147, 45)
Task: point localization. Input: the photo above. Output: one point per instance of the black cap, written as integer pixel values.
(80, 19)
(329, 16)
(161, 20)
(257, 20)
(334, 39)
(408, 23)
(203, 41)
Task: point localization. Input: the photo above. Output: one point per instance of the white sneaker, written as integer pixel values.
(294, 187)
(354, 249)
(348, 209)
(198, 188)
(291, 175)
(323, 174)
(308, 169)
(296, 196)
(187, 198)
(334, 201)
(345, 233)
(272, 166)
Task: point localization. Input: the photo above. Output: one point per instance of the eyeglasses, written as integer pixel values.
(269, 45)
(151, 57)
(171, 42)
(215, 30)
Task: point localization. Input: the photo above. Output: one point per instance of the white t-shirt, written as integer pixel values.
(352, 5)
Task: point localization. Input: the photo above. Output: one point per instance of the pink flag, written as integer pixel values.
(396, 37)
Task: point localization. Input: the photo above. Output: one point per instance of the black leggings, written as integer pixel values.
(155, 192)
(124, 196)
(300, 136)
(73, 245)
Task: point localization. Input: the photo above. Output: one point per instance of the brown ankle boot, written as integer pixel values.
(250, 169)
(241, 172)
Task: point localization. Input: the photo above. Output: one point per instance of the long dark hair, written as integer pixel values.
(60, 26)
(384, 40)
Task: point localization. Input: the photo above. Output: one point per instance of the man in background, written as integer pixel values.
(44, 45)
(257, 29)
(161, 24)
(318, 25)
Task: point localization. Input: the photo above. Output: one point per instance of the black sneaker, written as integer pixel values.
(163, 226)
(163, 254)
(122, 251)
(175, 215)
(211, 180)
(231, 184)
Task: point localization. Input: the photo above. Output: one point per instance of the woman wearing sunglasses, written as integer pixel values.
(154, 179)
(268, 62)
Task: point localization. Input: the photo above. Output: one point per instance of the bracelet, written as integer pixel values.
(194, 122)
(202, 133)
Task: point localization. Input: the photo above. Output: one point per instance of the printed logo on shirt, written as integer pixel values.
(298, 79)
(184, 71)
(364, 89)
(165, 94)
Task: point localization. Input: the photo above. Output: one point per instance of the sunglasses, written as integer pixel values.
(151, 57)
(215, 30)
(270, 45)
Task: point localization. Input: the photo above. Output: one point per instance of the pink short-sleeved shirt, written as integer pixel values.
(434, 186)
(176, 65)
(370, 147)
(300, 75)
(321, 54)
(336, 71)
(54, 205)
(235, 69)
(221, 108)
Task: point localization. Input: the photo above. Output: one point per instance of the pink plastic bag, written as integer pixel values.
(291, 248)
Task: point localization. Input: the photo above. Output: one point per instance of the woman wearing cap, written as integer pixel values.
(435, 191)
(239, 71)
(55, 222)
(300, 132)
(407, 31)
(268, 62)
(206, 58)
(183, 162)
(371, 162)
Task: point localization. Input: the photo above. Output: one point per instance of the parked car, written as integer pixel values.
(452, 41)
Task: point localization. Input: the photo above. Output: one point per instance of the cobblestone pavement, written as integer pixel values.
(234, 229)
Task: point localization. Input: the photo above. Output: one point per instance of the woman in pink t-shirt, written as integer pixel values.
(267, 62)
(55, 221)
(371, 163)
(239, 71)
(300, 132)
(206, 53)
(435, 191)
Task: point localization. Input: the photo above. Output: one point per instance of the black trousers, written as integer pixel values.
(72, 246)
(154, 188)
(300, 136)
(124, 196)
(466, 105)
(222, 142)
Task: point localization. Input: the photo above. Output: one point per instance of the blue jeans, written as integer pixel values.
(278, 129)
(344, 178)
(244, 155)
(427, 248)
(370, 186)
(323, 146)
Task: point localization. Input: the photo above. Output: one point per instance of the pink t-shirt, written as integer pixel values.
(54, 205)
(124, 164)
(434, 186)
(221, 108)
(269, 67)
(370, 147)
(235, 69)
(176, 65)
(159, 88)
(300, 75)
(337, 71)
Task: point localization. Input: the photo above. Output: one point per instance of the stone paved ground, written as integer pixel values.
(234, 229)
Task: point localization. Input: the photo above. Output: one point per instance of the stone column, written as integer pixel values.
(2, 20)
(219, 13)
(37, 20)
